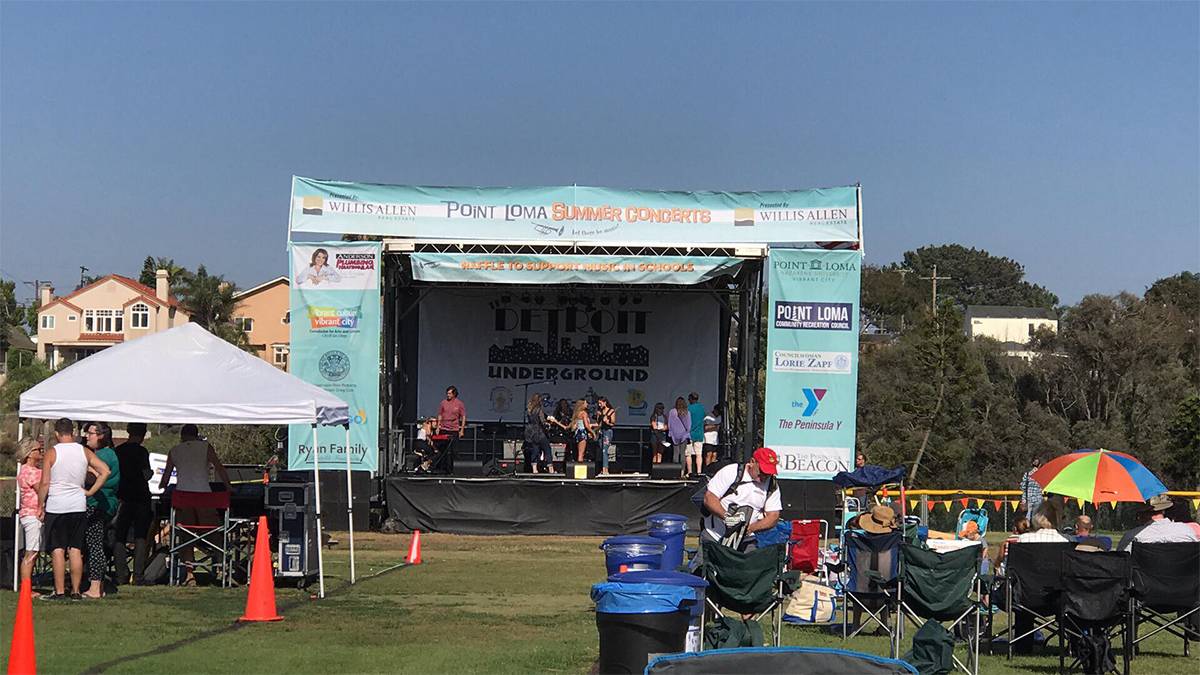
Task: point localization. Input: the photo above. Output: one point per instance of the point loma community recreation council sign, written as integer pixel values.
(575, 214)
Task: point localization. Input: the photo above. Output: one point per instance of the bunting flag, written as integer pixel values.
(1014, 503)
(1114, 503)
(963, 501)
(979, 503)
(996, 504)
(1196, 504)
(1079, 500)
(948, 504)
(912, 504)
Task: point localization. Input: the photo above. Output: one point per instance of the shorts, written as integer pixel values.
(710, 448)
(694, 449)
(65, 530)
(581, 435)
(33, 533)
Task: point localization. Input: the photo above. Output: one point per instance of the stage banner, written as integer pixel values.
(569, 269)
(637, 348)
(335, 345)
(812, 360)
(575, 214)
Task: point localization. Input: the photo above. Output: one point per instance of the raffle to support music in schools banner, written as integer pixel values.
(812, 360)
(335, 345)
(575, 213)
(570, 269)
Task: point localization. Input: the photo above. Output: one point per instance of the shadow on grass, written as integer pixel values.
(226, 629)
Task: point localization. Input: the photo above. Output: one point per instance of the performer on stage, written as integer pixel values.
(607, 417)
(658, 433)
(536, 440)
(451, 421)
(581, 429)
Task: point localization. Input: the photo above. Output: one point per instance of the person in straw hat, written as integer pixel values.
(1157, 527)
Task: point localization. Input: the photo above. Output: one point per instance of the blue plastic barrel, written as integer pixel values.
(667, 578)
(634, 552)
(671, 529)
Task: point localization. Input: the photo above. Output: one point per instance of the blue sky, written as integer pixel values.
(1066, 136)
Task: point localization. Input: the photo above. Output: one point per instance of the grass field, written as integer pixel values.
(476, 604)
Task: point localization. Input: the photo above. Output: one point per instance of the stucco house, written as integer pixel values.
(111, 310)
(262, 312)
(1011, 326)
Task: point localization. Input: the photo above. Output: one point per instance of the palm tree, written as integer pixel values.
(211, 302)
(175, 273)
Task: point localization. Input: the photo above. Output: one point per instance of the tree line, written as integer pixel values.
(1122, 372)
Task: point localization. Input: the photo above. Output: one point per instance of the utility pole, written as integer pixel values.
(83, 270)
(934, 278)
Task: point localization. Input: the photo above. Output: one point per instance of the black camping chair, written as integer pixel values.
(750, 583)
(1094, 608)
(872, 563)
(1166, 580)
(1032, 583)
(944, 587)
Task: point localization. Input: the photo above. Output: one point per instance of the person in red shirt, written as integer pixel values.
(451, 421)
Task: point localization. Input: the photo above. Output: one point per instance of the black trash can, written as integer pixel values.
(636, 620)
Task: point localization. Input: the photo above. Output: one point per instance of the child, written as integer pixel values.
(29, 475)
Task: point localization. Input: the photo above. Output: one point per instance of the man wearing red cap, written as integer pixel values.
(739, 488)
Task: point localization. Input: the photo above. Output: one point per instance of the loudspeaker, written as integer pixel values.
(808, 499)
(333, 496)
(666, 471)
(472, 468)
(589, 466)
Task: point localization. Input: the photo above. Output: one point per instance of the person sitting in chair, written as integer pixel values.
(741, 489)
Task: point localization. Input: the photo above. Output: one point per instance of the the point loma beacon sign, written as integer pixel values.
(590, 214)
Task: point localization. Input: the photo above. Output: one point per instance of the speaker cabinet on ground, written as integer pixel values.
(666, 471)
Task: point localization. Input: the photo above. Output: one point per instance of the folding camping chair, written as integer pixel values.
(1032, 583)
(750, 583)
(1094, 608)
(1166, 580)
(804, 547)
(872, 562)
(942, 587)
(210, 538)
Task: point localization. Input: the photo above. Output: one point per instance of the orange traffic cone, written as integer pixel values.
(260, 602)
(414, 549)
(22, 659)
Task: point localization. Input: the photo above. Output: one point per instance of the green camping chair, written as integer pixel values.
(755, 582)
(942, 587)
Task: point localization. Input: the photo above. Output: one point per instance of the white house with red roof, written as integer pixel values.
(110, 310)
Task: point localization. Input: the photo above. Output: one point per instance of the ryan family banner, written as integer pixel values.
(637, 348)
(812, 360)
(569, 269)
(335, 345)
(576, 213)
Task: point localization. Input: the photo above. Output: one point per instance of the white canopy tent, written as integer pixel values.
(188, 375)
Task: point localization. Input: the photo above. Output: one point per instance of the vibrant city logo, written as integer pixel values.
(813, 315)
(334, 365)
(322, 318)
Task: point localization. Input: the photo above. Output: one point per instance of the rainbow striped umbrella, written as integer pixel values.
(1099, 476)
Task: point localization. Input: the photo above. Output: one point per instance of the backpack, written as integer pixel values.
(698, 497)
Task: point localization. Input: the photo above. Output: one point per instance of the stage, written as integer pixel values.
(592, 507)
(528, 505)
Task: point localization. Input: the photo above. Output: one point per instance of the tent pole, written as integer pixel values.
(349, 503)
(320, 531)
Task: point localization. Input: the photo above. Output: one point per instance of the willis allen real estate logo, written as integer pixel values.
(313, 206)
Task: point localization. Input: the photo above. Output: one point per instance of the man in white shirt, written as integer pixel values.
(1159, 528)
(62, 492)
(750, 485)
